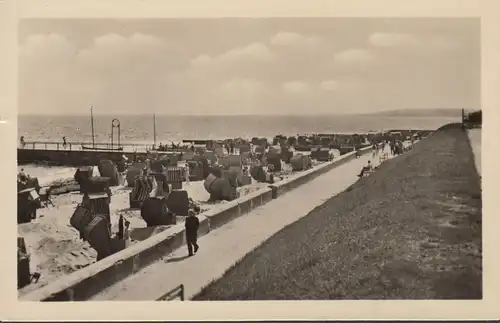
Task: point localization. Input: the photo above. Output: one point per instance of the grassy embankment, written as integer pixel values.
(411, 230)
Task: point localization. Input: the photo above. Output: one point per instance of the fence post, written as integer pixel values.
(57, 146)
(33, 145)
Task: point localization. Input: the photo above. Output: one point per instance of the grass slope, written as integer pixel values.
(412, 230)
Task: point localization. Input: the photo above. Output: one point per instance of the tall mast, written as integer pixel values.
(154, 130)
(92, 126)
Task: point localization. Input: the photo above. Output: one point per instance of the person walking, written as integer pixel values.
(192, 224)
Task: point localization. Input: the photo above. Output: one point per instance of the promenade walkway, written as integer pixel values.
(221, 248)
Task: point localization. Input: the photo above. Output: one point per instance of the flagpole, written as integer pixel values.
(154, 131)
(92, 126)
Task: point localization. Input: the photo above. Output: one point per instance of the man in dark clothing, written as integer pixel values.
(192, 224)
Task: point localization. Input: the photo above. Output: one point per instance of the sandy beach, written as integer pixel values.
(55, 246)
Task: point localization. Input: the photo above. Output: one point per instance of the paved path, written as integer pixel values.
(223, 247)
(475, 140)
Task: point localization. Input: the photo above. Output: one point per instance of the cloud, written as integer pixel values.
(296, 87)
(245, 61)
(251, 52)
(201, 60)
(351, 56)
(47, 66)
(138, 52)
(295, 40)
(442, 44)
(40, 47)
(330, 85)
(254, 51)
(241, 87)
(124, 72)
(419, 45)
(251, 70)
(393, 40)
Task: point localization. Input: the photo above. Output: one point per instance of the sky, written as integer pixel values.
(248, 66)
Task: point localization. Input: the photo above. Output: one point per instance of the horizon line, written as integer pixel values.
(237, 115)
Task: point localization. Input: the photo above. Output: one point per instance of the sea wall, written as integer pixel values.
(70, 157)
(84, 283)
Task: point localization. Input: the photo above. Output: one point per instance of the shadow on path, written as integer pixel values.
(177, 259)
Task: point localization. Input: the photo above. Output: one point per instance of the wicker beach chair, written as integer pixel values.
(143, 186)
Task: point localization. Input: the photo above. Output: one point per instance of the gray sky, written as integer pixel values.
(248, 66)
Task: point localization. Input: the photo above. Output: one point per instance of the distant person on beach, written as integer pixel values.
(192, 225)
(122, 164)
(64, 142)
(22, 176)
(45, 198)
(23, 143)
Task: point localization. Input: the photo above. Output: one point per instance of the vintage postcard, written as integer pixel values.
(308, 159)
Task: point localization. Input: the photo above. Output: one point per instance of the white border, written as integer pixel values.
(489, 11)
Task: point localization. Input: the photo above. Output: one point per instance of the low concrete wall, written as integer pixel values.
(84, 283)
(231, 210)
